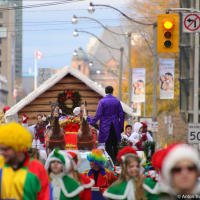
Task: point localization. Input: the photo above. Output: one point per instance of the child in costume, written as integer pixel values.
(127, 133)
(21, 177)
(63, 186)
(136, 136)
(83, 180)
(129, 186)
(103, 177)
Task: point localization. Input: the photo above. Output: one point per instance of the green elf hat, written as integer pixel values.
(57, 155)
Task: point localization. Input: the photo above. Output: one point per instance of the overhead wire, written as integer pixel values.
(59, 21)
(39, 5)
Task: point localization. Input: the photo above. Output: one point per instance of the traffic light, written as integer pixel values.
(168, 33)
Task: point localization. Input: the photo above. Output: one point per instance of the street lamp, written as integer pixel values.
(91, 8)
(75, 53)
(90, 63)
(74, 19)
(98, 72)
(75, 33)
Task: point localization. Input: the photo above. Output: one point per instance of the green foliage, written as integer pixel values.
(124, 142)
(69, 94)
(149, 149)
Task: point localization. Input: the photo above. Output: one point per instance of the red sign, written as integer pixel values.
(192, 22)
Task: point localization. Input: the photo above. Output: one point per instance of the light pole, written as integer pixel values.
(75, 34)
(75, 21)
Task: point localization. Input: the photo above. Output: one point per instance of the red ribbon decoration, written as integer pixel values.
(69, 93)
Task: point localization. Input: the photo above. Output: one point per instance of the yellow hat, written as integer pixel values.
(15, 136)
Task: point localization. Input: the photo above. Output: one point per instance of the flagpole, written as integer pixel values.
(35, 73)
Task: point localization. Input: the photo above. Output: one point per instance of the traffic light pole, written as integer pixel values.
(196, 75)
(120, 73)
(196, 79)
(129, 69)
(155, 79)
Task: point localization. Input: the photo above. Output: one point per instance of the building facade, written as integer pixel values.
(7, 50)
(11, 47)
(80, 61)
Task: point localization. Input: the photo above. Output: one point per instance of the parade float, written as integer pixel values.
(71, 126)
(70, 88)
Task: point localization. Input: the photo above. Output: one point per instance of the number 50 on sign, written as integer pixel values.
(193, 133)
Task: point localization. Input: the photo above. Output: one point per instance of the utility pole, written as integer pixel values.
(120, 73)
(155, 79)
(129, 69)
(35, 73)
(196, 74)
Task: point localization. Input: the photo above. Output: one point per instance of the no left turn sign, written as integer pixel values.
(191, 22)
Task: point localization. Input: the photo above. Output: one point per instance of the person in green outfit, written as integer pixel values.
(63, 187)
(129, 186)
(179, 171)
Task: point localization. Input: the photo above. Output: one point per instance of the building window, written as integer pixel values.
(79, 67)
(1, 25)
(1, 15)
(0, 40)
(0, 52)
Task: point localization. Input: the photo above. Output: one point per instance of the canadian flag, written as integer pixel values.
(38, 55)
(15, 93)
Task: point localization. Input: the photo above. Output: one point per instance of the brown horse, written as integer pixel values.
(85, 138)
(55, 134)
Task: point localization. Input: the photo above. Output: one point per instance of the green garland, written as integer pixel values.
(149, 149)
(69, 94)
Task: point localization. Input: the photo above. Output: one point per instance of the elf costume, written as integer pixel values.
(103, 178)
(63, 187)
(165, 162)
(86, 182)
(29, 180)
(124, 190)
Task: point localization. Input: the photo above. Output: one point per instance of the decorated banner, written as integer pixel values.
(166, 80)
(138, 90)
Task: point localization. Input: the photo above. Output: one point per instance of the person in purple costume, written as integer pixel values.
(111, 116)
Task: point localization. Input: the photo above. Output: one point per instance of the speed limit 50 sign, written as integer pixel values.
(193, 133)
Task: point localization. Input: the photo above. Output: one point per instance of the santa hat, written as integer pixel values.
(75, 158)
(77, 111)
(126, 151)
(144, 124)
(175, 153)
(24, 118)
(157, 159)
(6, 108)
(57, 155)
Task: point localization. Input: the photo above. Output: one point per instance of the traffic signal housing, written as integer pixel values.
(168, 33)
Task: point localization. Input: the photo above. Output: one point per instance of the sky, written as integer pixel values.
(49, 30)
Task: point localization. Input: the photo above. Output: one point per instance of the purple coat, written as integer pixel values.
(109, 111)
